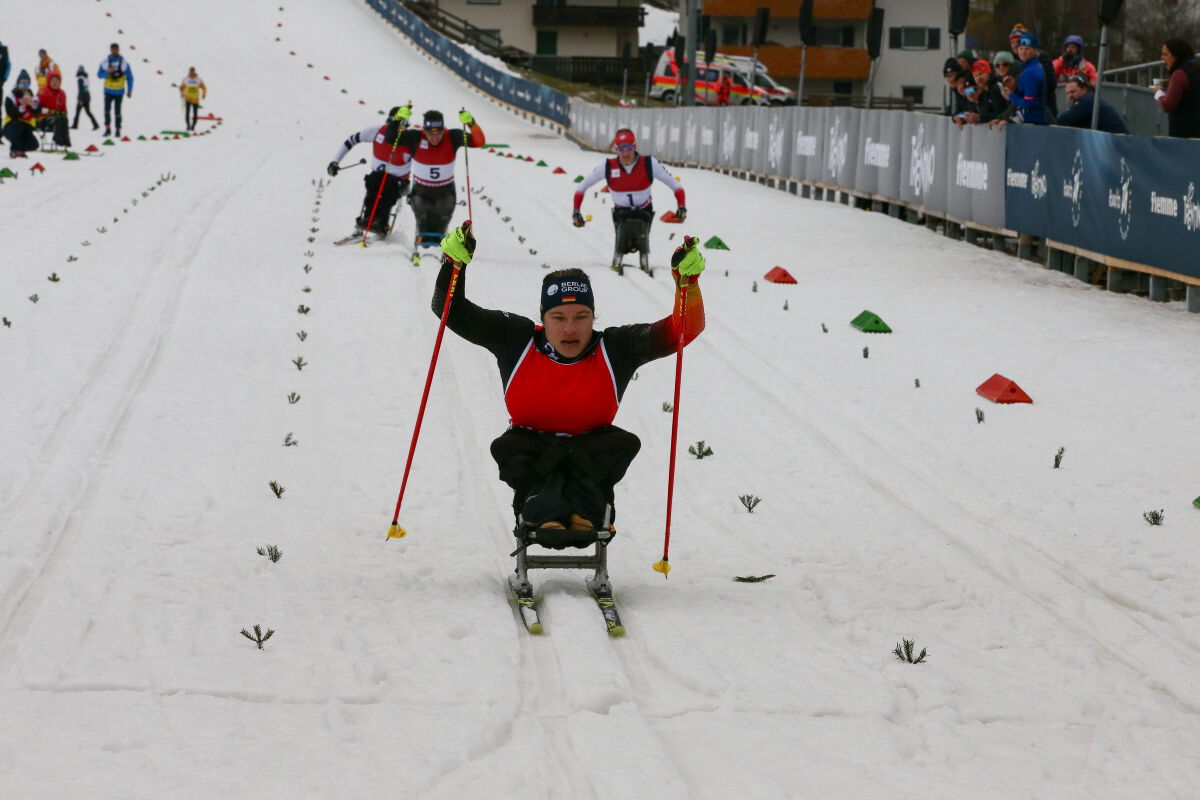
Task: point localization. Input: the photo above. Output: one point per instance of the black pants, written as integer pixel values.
(190, 112)
(111, 100)
(553, 476)
(21, 137)
(59, 128)
(433, 206)
(393, 189)
(632, 228)
(84, 103)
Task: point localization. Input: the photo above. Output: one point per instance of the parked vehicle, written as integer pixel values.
(777, 94)
(665, 83)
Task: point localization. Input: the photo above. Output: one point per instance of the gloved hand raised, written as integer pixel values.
(332, 169)
(681, 214)
(686, 259)
(459, 244)
(403, 113)
(465, 117)
(577, 219)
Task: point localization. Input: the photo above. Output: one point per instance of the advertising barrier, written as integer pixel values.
(1131, 197)
(526, 95)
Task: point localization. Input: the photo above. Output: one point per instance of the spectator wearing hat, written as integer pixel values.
(1030, 95)
(52, 102)
(962, 97)
(20, 118)
(1072, 62)
(83, 98)
(965, 59)
(1180, 96)
(44, 67)
(1083, 100)
(989, 101)
(1047, 63)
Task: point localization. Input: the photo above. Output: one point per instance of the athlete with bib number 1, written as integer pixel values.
(434, 150)
(630, 177)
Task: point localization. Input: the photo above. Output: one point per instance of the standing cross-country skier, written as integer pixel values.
(390, 163)
(563, 383)
(192, 90)
(118, 84)
(630, 177)
(434, 150)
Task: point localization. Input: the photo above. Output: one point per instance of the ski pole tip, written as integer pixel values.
(663, 567)
(396, 532)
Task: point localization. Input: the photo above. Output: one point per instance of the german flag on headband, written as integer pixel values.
(573, 288)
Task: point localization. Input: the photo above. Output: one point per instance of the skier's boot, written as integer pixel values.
(616, 262)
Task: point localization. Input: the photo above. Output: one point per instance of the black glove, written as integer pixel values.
(577, 219)
(332, 169)
(681, 214)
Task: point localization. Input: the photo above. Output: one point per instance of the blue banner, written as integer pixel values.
(1132, 197)
(526, 95)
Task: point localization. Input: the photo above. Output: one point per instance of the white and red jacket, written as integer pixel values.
(630, 186)
(434, 166)
(382, 152)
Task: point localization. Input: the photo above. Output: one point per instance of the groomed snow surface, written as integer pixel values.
(144, 406)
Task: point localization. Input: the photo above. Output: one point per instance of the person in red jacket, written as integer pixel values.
(563, 383)
(629, 178)
(53, 102)
(434, 151)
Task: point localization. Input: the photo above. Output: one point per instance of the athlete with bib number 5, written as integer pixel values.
(434, 150)
(629, 177)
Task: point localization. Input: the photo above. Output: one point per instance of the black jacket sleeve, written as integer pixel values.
(504, 335)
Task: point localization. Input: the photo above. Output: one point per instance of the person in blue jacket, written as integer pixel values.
(118, 84)
(1030, 95)
(1083, 100)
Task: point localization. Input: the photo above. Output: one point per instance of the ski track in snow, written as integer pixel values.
(148, 410)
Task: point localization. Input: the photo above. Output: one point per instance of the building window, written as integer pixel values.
(842, 87)
(914, 93)
(914, 38)
(839, 36)
(731, 35)
(547, 43)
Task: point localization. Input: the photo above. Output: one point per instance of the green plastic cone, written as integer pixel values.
(108, 142)
(7, 173)
(869, 322)
(579, 179)
(715, 243)
(71, 157)
(542, 164)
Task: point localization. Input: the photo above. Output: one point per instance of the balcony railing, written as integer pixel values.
(546, 16)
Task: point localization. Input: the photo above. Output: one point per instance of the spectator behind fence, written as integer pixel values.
(1180, 96)
(52, 102)
(20, 116)
(83, 99)
(963, 91)
(1030, 94)
(1049, 98)
(1072, 62)
(1083, 99)
(990, 101)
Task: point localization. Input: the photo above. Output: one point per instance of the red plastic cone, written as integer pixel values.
(1000, 389)
(779, 275)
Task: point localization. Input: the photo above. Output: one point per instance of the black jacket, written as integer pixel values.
(1184, 122)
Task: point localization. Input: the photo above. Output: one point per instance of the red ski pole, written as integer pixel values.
(664, 566)
(382, 181)
(395, 531)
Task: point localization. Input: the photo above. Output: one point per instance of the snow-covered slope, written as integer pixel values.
(144, 406)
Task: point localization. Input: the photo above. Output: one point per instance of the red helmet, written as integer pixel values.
(625, 139)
